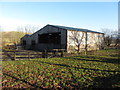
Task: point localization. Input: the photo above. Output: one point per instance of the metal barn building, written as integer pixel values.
(62, 37)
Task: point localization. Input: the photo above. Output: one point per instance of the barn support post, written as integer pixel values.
(44, 54)
(86, 38)
(103, 41)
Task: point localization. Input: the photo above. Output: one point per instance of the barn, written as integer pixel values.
(62, 37)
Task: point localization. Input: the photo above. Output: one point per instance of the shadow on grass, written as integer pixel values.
(98, 82)
(115, 55)
(106, 82)
(10, 88)
(95, 59)
(64, 65)
(112, 81)
(24, 81)
(34, 87)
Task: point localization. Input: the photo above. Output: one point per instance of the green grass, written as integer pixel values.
(99, 69)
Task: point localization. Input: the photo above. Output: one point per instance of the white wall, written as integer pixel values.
(94, 40)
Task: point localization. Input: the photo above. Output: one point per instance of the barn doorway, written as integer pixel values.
(50, 38)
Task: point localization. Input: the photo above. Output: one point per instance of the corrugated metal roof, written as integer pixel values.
(66, 28)
(28, 34)
(76, 29)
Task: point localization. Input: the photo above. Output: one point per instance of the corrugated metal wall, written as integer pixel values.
(43, 46)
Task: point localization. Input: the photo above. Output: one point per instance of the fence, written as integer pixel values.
(28, 54)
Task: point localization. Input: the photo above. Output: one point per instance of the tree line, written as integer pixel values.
(111, 37)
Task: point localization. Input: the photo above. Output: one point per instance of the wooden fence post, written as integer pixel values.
(62, 54)
(14, 58)
(54, 52)
(46, 55)
(28, 55)
(43, 54)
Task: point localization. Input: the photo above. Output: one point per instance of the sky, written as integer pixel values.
(119, 16)
(88, 15)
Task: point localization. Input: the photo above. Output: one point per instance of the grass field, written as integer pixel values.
(99, 69)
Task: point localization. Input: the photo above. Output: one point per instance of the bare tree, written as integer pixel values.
(108, 40)
(107, 36)
(111, 37)
(28, 29)
(76, 39)
(116, 38)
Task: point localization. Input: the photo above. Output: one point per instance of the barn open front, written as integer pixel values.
(50, 38)
(49, 41)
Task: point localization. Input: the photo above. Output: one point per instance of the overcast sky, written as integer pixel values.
(88, 15)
